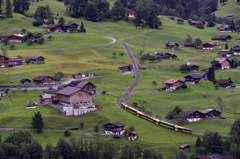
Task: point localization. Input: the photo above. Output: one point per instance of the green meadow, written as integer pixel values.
(231, 7)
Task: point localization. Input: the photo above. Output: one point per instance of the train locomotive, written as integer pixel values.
(156, 121)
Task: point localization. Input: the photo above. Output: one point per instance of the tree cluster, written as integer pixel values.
(174, 113)
(43, 13)
(21, 6)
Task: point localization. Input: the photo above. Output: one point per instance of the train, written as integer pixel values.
(155, 121)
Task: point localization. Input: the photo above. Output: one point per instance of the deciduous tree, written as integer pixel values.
(197, 42)
(118, 10)
(235, 132)
(61, 21)
(189, 39)
(220, 103)
(91, 12)
(8, 9)
(43, 12)
(21, 6)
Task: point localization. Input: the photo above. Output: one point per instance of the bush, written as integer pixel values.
(73, 128)
(104, 92)
(41, 41)
(211, 24)
(184, 86)
(13, 91)
(12, 46)
(170, 115)
(200, 26)
(154, 83)
(67, 132)
(36, 23)
(216, 85)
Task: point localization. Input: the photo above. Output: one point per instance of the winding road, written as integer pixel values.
(135, 67)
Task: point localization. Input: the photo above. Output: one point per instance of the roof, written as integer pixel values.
(171, 81)
(171, 44)
(220, 37)
(183, 146)
(230, 14)
(68, 91)
(50, 92)
(133, 132)
(19, 35)
(52, 25)
(24, 79)
(34, 57)
(15, 59)
(48, 96)
(208, 110)
(69, 24)
(202, 74)
(81, 84)
(116, 123)
(189, 44)
(212, 43)
(40, 78)
(220, 60)
(193, 76)
(224, 81)
(35, 34)
(192, 66)
(225, 50)
(190, 112)
(56, 78)
(236, 48)
(76, 74)
(145, 55)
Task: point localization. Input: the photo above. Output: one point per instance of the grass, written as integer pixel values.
(231, 7)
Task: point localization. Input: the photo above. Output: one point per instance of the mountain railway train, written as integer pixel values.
(156, 121)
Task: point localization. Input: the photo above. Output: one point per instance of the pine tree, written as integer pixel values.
(61, 21)
(226, 46)
(8, 9)
(232, 25)
(198, 143)
(37, 121)
(211, 74)
(1, 2)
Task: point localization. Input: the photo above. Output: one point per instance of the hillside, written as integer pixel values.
(231, 7)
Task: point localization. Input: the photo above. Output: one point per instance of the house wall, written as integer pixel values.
(14, 63)
(225, 64)
(212, 114)
(14, 39)
(81, 98)
(3, 60)
(78, 76)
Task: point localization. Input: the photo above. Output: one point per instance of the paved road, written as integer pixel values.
(135, 67)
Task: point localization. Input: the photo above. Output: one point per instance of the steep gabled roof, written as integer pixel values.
(209, 110)
(193, 76)
(221, 60)
(24, 79)
(15, 59)
(40, 78)
(52, 26)
(220, 37)
(116, 123)
(34, 57)
(68, 91)
(69, 24)
(171, 81)
(224, 81)
(202, 74)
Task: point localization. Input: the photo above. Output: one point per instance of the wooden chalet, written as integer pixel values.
(131, 13)
(225, 38)
(54, 28)
(126, 68)
(132, 136)
(180, 20)
(25, 81)
(114, 128)
(209, 45)
(164, 56)
(236, 50)
(145, 56)
(34, 36)
(140, 25)
(172, 84)
(86, 86)
(98, 20)
(222, 63)
(230, 16)
(193, 68)
(172, 46)
(238, 39)
(184, 147)
(225, 83)
(15, 38)
(203, 75)
(226, 28)
(188, 45)
(15, 61)
(214, 156)
(226, 53)
(46, 80)
(77, 75)
(172, 18)
(192, 79)
(193, 115)
(71, 27)
(3, 61)
(2, 38)
(211, 113)
(36, 59)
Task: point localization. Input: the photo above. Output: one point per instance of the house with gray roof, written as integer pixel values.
(71, 27)
(36, 59)
(192, 79)
(46, 80)
(225, 38)
(223, 63)
(172, 46)
(54, 28)
(203, 75)
(211, 113)
(225, 83)
(114, 128)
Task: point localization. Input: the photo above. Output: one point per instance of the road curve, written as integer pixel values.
(135, 67)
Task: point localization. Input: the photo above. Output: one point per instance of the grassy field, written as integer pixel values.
(231, 7)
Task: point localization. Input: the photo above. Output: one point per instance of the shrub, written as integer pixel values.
(41, 41)
(50, 88)
(200, 26)
(170, 115)
(211, 24)
(12, 46)
(216, 85)
(25, 90)
(67, 132)
(73, 128)
(184, 86)
(13, 91)
(104, 92)
(36, 23)
(154, 82)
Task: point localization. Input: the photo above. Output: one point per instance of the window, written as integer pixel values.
(88, 101)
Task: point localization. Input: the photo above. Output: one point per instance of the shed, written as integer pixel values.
(132, 136)
(184, 147)
(25, 81)
(77, 75)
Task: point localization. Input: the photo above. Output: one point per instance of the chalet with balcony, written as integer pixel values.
(77, 75)
(211, 113)
(223, 63)
(172, 84)
(71, 27)
(86, 86)
(192, 79)
(15, 38)
(172, 46)
(236, 50)
(209, 45)
(193, 115)
(132, 136)
(230, 16)
(36, 59)
(188, 45)
(34, 36)
(114, 128)
(46, 80)
(54, 28)
(225, 83)
(203, 75)
(224, 38)
(25, 81)
(193, 68)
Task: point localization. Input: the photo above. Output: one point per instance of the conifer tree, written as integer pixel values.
(226, 46)
(198, 143)
(211, 74)
(82, 26)
(232, 25)
(37, 121)
(8, 9)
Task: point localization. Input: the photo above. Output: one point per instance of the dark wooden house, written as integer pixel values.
(114, 128)
(34, 36)
(223, 63)
(172, 46)
(145, 56)
(230, 16)
(15, 38)
(25, 81)
(225, 83)
(126, 68)
(193, 68)
(192, 79)
(184, 147)
(77, 75)
(236, 50)
(226, 53)
(140, 25)
(237, 28)
(54, 28)
(86, 86)
(180, 21)
(226, 28)
(46, 80)
(36, 59)
(71, 27)
(132, 136)
(193, 115)
(209, 45)
(188, 45)
(211, 113)
(172, 84)
(203, 75)
(225, 38)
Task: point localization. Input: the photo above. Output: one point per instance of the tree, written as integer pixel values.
(235, 132)
(184, 86)
(137, 151)
(37, 121)
(8, 9)
(197, 42)
(154, 83)
(19, 138)
(114, 54)
(226, 46)
(61, 21)
(177, 109)
(91, 12)
(189, 39)
(23, 31)
(12, 46)
(181, 155)
(103, 6)
(50, 21)
(212, 142)
(192, 156)
(5, 41)
(108, 14)
(198, 143)
(32, 150)
(21, 6)
(4, 52)
(96, 128)
(41, 41)
(43, 13)
(118, 10)
(63, 149)
(77, 7)
(211, 74)
(234, 107)
(49, 152)
(152, 57)
(232, 24)
(50, 37)
(29, 42)
(82, 26)
(200, 26)
(170, 115)
(210, 24)
(67, 132)
(81, 125)
(234, 150)
(131, 128)
(135, 104)
(221, 104)
(184, 68)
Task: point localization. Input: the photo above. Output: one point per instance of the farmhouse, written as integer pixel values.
(54, 28)
(226, 53)
(132, 136)
(194, 23)
(209, 45)
(44, 80)
(172, 46)
(172, 84)
(86, 86)
(77, 75)
(36, 59)
(192, 79)
(25, 81)
(71, 27)
(211, 113)
(10, 62)
(166, 56)
(188, 45)
(226, 28)
(203, 75)
(193, 68)
(180, 21)
(184, 147)
(15, 38)
(236, 50)
(140, 25)
(225, 83)
(225, 38)
(193, 115)
(230, 16)
(114, 128)
(223, 63)
(131, 13)
(34, 36)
